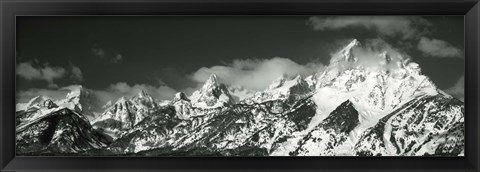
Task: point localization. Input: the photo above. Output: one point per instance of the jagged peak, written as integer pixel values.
(210, 85)
(142, 94)
(212, 91)
(211, 81)
(373, 56)
(385, 53)
(213, 77)
(283, 82)
(352, 44)
(143, 98)
(180, 96)
(48, 101)
(347, 103)
(75, 91)
(345, 54)
(49, 104)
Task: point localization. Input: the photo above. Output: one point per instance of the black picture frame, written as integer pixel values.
(12, 8)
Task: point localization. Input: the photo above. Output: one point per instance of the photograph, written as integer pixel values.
(242, 86)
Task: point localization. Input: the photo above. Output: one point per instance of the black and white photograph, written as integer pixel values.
(248, 86)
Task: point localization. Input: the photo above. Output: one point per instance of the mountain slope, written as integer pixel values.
(82, 100)
(243, 129)
(328, 137)
(79, 99)
(125, 114)
(60, 132)
(432, 125)
(369, 101)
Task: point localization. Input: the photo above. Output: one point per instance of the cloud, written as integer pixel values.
(123, 89)
(117, 58)
(105, 55)
(458, 89)
(111, 93)
(255, 74)
(76, 73)
(25, 96)
(47, 73)
(405, 27)
(99, 52)
(410, 29)
(438, 48)
(175, 77)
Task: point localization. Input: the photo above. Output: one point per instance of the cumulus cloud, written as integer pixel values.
(405, 27)
(255, 74)
(47, 73)
(438, 48)
(458, 89)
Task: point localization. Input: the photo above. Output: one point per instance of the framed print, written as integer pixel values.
(256, 85)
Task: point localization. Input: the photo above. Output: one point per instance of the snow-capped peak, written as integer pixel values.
(75, 91)
(127, 113)
(380, 81)
(180, 96)
(352, 43)
(144, 98)
(211, 95)
(82, 100)
(283, 89)
(143, 94)
(345, 54)
(78, 96)
(211, 81)
(283, 83)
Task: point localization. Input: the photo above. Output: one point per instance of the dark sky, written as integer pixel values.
(168, 48)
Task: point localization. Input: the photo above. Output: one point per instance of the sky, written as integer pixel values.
(119, 56)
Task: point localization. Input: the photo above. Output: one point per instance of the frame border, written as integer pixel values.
(12, 8)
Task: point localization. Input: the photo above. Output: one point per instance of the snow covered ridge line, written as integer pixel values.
(356, 107)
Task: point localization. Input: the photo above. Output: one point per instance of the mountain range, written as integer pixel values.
(380, 106)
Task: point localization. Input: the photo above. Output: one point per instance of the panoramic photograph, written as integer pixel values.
(240, 86)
